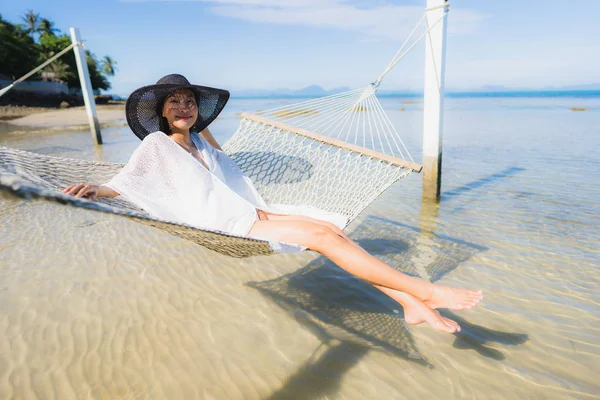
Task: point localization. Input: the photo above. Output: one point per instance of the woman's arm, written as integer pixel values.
(90, 192)
(210, 139)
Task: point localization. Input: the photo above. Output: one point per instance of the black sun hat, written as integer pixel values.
(144, 105)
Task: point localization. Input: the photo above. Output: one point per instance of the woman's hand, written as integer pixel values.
(84, 190)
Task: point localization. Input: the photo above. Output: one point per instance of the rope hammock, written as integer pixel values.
(336, 153)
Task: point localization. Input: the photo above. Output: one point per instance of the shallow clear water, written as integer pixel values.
(100, 307)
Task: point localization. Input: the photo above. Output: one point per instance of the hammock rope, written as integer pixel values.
(401, 53)
(337, 153)
(355, 117)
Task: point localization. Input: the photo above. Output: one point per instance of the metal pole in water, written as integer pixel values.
(435, 60)
(86, 86)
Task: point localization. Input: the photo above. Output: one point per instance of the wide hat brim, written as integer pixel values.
(142, 107)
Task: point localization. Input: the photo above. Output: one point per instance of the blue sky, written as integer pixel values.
(271, 44)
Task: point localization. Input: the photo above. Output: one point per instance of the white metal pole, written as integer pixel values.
(6, 89)
(86, 86)
(435, 60)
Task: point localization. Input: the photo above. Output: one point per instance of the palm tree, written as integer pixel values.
(109, 66)
(46, 27)
(32, 21)
(60, 70)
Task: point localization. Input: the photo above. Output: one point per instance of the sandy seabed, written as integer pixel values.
(96, 306)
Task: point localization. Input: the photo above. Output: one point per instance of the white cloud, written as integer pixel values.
(374, 19)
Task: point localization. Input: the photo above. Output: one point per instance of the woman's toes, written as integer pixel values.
(442, 326)
(470, 302)
(451, 325)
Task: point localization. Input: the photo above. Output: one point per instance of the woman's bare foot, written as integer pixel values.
(416, 312)
(454, 299)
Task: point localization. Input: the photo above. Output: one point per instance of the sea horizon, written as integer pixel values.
(527, 93)
(474, 94)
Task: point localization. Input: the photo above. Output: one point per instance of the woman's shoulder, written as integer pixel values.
(152, 143)
(155, 139)
(154, 136)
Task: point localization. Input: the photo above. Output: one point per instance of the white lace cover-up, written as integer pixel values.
(169, 183)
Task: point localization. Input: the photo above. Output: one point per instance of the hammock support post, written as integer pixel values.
(435, 60)
(86, 86)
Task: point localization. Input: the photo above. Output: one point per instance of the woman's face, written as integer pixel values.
(180, 110)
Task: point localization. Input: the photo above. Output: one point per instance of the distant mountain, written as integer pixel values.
(313, 90)
(318, 91)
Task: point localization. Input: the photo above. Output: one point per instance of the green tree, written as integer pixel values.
(32, 21)
(49, 46)
(46, 27)
(18, 52)
(108, 66)
(61, 70)
(99, 81)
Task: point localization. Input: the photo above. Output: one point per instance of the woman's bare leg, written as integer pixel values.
(358, 262)
(415, 311)
(289, 217)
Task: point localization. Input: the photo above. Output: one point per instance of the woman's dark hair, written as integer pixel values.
(163, 124)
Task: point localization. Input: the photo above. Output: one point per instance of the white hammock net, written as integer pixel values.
(337, 169)
(342, 172)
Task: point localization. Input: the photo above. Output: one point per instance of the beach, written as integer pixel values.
(97, 306)
(41, 117)
(8, 113)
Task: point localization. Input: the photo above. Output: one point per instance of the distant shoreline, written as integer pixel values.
(114, 110)
(452, 94)
(393, 94)
(529, 93)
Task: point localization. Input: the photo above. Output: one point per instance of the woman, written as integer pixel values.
(179, 175)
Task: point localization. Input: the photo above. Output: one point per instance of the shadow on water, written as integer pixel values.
(471, 336)
(475, 337)
(324, 371)
(336, 306)
(480, 182)
(347, 315)
(350, 317)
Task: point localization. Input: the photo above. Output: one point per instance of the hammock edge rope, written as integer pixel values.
(224, 243)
